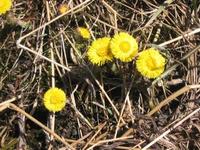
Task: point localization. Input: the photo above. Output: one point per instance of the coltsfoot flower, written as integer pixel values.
(99, 52)
(150, 63)
(5, 5)
(124, 47)
(63, 8)
(54, 99)
(84, 32)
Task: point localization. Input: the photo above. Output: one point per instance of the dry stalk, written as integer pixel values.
(180, 37)
(113, 11)
(157, 13)
(73, 105)
(16, 108)
(109, 140)
(168, 71)
(170, 129)
(53, 20)
(44, 25)
(81, 116)
(100, 128)
(81, 140)
(51, 118)
(5, 106)
(103, 135)
(126, 101)
(102, 22)
(166, 101)
(172, 97)
(10, 100)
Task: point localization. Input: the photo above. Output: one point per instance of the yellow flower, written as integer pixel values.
(150, 63)
(54, 99)
(99, 52)
(63, 8)
(124, 47)
(84, 32)
(5, 5)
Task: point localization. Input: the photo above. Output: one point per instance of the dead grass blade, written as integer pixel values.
(170, 129)
(169, 70)
(10, 100)
(16, 108)
(100, 128)
(109, 140)
(172, 97)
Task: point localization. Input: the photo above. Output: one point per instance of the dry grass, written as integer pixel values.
(109, 107)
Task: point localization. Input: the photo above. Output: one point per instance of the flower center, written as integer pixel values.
(154, 64)
(125, 46)
(102, 52)
(55, 99)
(63, 8)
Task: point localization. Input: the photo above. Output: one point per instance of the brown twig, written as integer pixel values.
(170, 129)
(16, 108)
(172, 97)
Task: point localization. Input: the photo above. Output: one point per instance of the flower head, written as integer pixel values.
(63, 8)
(150, 63)
(99, 52)
(54, 99)
(84, 32)
(5, 5)
(124, 47)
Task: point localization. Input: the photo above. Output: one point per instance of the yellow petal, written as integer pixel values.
(99, 52)
(63, 8)
(84, 32)
(124, 47)
(54, 99)
(5, 5)
(150, 63)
